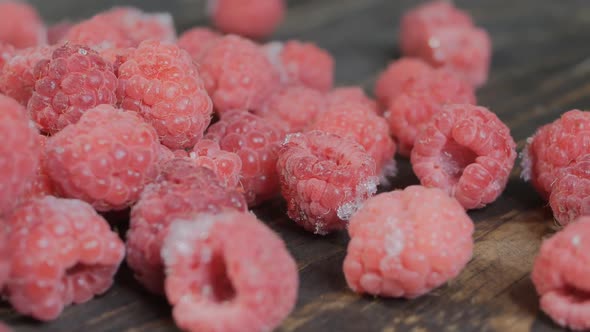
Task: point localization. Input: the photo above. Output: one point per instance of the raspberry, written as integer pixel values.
(466, 151)
(256, 141)
(351, 94)
(75, 80)
(249, 18)
(64, 252)
(162, 84)
(302, 63)
(20, 25)
(57, 32)
(419, 100)
(571, 191)
(16, 78)
(398, 73)
(19, 153)
(295, 106)
(116, 56)
(405, 243)
(237, 75)
(7, 51)
(105, 159)
(226, 283)
(41, 184)
(99, 33)
(555, 146)
(324, 179)
(226, 165)
(183, 191)
(560, 275)
(197, 40)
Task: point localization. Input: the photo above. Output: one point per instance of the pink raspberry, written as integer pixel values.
(302, 63)
(41, 184)
(560, 275)
(466, 151)
(220, 283)
(63, 253)
(257, 141)
(99, 33)
(20, 25)
(19, 153)
(182, 191)
(237, 75)
(351, 94)
(570, 194)
(117, 56)
(16, 78)
(161, 83)
(74, 80)
(250, 18)
(226, 165)
(555, 146)
(7, 51)
(405, 243)
(392, 80)
(421, 99)
(197, 40)
(324, 179)
(295, 106)
(105, 159)
(57, 32)
(166, 154)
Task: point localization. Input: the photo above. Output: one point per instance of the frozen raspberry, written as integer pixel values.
(19, 153)
(16, 78)
(570, 194)
(237, 75)
(226, 165)
(182, 192)
(392, 80)
(419, 100)
(257, 141)
(74, 80)
(405, 243)
(351, 94)
(20, 25)
(295, 106)
(249, 18)
(99, 33)
(41, 184)
(418, 23)
(161, 83)
(63, 253)
(302, 63)
(218, 283)
(57, 32)
(105, 159)
(555, 146)
(7, 51)
(324, 179)
(197, 40)
(560, 275)
(466, 151)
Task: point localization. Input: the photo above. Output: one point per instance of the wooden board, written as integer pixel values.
(540, 69)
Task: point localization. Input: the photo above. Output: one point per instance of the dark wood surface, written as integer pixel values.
(541, 68)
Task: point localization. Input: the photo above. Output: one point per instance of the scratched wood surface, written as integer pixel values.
(541, 67)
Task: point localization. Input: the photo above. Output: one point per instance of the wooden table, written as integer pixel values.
(540, 69)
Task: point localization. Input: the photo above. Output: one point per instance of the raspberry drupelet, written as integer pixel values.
(407, 242)
(63, 253)
(351, 94)
(197, 40)
(466, 151)
(570, 194)
(20, 25)
(219, 283)
(392, 80)
(7, 51)
(16, 78)
(160, 82)
(250, 18)
(226, 165)
(560, 275)
(105, 159)
(324, 179)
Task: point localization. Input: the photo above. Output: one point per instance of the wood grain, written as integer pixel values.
(541, 68)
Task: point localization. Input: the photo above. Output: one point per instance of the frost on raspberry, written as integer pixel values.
(7, 51)
(351, 94)
(105, 159)
(237, 74)
(398, 73)
(324, 179)
(183, 191)
(250, 18)
(555, 146)
(20, 25)
(223, 283)
(466, 151)
(560, 275)
(419, 100)
(40, 185)
(226, 165)
(407, 242)
(197, 40)
(570, 194)
(160, 82)
(63, 253)
(256, 141)
(74, 80)
(16, 78)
